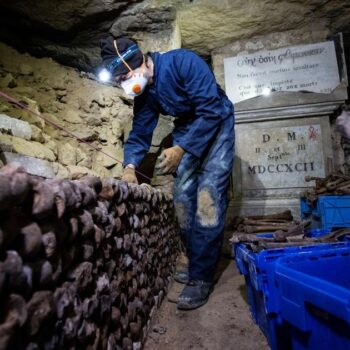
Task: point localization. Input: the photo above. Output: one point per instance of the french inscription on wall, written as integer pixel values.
(310, 67)
(280, 157)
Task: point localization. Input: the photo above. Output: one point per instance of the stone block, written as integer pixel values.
(26, 91)
(83, 159)
(123, 112)
(106, 136)
(61, 171)
(32, 165)
(67, 154)
(106, 161)
(72, 117)
(100, 170)
(52, 145)
(4, 108)
(60, 93)
(94, 120)
(30, 117)
(25, 69)
(100, 99)
(31, 149)
(117, 171)
(8, 81)
(76, 172)
(57, 82)
(37, 134)
(15, 127)
(5, 143)
(116, 128)
(87, 135)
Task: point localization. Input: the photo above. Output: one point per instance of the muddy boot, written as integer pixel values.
(181, 276)
(195, 294)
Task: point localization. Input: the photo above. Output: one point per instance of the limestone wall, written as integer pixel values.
(95, 112)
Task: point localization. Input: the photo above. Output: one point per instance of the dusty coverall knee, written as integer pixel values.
(200, 197)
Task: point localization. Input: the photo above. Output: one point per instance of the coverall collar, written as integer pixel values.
(156, 61)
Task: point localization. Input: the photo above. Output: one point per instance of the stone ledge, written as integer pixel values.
(15, 127)
(32, 165)
(28, 148)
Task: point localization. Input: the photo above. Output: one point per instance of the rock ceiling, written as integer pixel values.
(69, 31)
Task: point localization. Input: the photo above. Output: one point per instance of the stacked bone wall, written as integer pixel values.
(83, 263)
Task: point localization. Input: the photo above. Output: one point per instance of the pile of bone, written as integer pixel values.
(83, 264)
(333, 184)
(278, 231)
(264, 223)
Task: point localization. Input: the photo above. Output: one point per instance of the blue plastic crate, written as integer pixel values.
(258, 270)
(334, 211)
(314, 299)
(309, 212)
(305, 209)
(329, 212)
(316, 233)
(261, 266)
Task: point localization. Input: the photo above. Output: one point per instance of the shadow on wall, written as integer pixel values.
(238, 194)
(238, 197)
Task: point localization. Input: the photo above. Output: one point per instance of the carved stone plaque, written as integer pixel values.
(280, 157)
(310, 67)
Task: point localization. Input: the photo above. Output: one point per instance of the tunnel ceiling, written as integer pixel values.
(69, 31)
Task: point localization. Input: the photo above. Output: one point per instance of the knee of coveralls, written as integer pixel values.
(208, 233)
(213, 179)
(185, 196)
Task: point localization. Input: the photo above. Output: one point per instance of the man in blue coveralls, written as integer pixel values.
(179, 83)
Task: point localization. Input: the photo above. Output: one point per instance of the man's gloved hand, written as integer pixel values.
(171, 158)
(129, 175)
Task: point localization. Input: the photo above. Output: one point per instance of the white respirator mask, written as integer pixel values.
(135, 85)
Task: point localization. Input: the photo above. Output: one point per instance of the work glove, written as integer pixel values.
(129, 175)
(170, 160)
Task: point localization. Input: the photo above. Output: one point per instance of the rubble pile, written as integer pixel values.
(83, 263)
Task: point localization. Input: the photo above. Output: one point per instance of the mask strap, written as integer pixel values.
(143, 64)
(121, 57)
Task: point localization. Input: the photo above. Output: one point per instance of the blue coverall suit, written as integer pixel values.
(185, 87)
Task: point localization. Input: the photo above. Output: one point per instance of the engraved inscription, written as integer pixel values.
(311, 67)
(280, 157)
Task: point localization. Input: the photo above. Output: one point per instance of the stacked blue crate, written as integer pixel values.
(314, 299)
(329, 212)
(262, 291)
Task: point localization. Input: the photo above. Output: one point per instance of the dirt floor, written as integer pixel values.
(224, 323)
